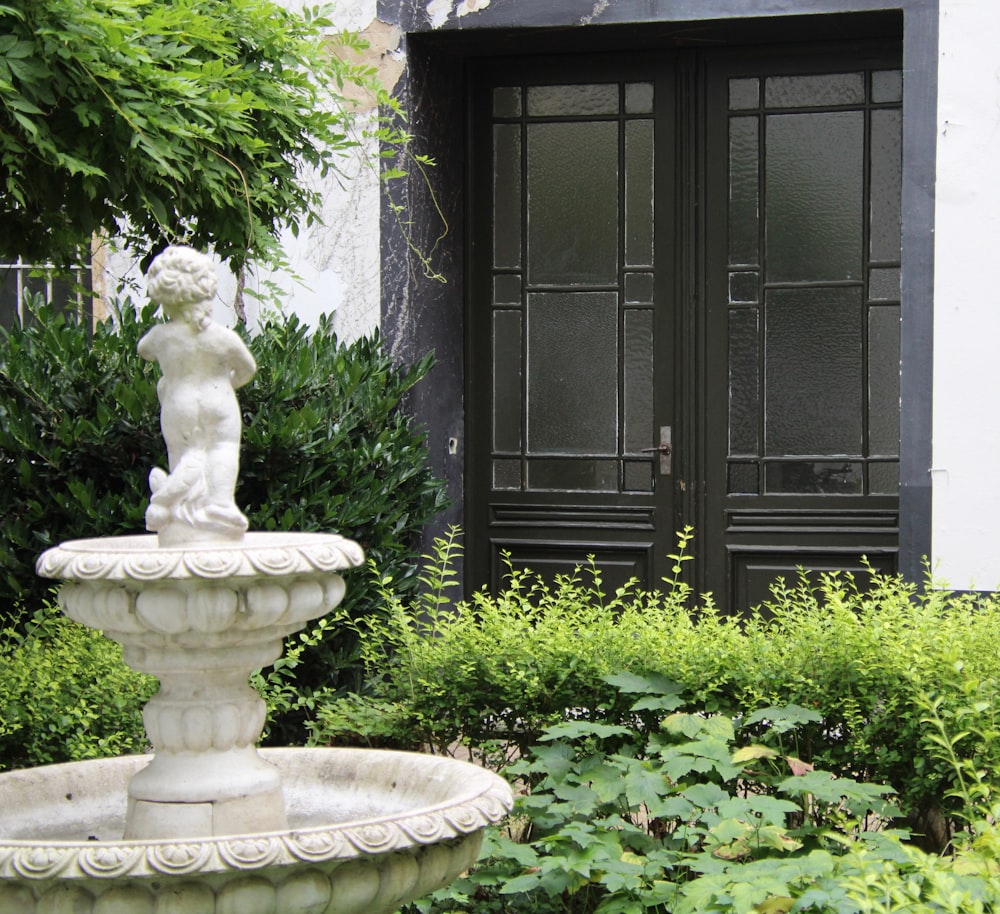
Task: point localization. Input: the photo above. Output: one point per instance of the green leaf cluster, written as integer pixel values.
(678, 814)
(326, 447)
(491, 672)
(170, 120)
(66, 694)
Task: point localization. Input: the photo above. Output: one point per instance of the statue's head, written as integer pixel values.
(182, 281)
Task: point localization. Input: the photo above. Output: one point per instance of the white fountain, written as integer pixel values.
(208, 824)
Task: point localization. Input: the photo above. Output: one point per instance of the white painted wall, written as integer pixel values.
(966, 464)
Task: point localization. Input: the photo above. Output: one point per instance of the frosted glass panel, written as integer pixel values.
(639, 193)
(506, 474)
(559, 101)
(814, 91)
(573, 203)
(886, 168)
(744, 93)
(743, 190)
(507, 195)
(814, 201)
(887, 86)
(507, 289)
(743, 479)
(883, 284)
(883, 381)
(639, 287)
(813, 375)
(744, 383)
(507, 101)
(507, 381)
(639, 430)
(638, 98)
(883, 478)
(573, 373)
(638, 476)
(573, 475)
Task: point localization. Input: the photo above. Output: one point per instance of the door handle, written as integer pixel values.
(664, 449)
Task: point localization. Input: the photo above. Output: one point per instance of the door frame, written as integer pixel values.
(420, 314)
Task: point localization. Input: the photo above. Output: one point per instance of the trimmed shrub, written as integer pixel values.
(66, 694)
(491, 673)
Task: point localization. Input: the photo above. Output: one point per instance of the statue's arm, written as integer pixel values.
(243, 367)
(147, 345)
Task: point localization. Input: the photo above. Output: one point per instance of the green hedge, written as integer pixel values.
(325, 447)
(491, 673)
(66, 694)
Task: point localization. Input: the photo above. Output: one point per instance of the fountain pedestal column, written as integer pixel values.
(202, 619)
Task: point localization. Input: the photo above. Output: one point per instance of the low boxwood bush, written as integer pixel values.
(325, 447)
(66, 694)
(491, 673)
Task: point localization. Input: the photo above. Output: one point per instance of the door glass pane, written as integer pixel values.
(573, 475)
(506, 474)
(639, 193)
(573, 203)
(886, 168)
(887, 86)
(507, 381)
(638, 476)
(507, 289)
(883, 284)
(573, 373)
(883, 478)
(638, 98)
(822, 477)
(815, 194)
(743, 286)
(744, 383)
(743, 479)
(638, 380)
(561, 101)
(744, 93)
(813, 371)
(743, 190)
(507, 101)
(639, 287)
(883, 381)
(814, 90)
(506, 195)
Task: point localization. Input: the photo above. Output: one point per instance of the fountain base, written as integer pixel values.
(368, 831)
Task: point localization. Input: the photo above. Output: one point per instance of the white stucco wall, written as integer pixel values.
(966, 464)
(334, 266)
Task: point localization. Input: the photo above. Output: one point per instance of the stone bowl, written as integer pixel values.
(369, 831)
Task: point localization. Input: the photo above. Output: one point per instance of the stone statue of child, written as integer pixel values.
(203, 364)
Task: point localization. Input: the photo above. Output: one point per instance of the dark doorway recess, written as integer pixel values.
(775, 372)
(684, 310)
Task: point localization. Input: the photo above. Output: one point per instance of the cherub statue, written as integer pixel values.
(203, 364)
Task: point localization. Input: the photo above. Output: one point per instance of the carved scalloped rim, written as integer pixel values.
(141, 558)
(105, 860)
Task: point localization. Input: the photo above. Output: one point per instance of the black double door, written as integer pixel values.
(683, 310)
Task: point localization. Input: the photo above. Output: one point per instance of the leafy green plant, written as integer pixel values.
(666, 814)
(66, 694)
(171, 121)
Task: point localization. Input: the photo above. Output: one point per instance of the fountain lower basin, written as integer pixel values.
(368, 831)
